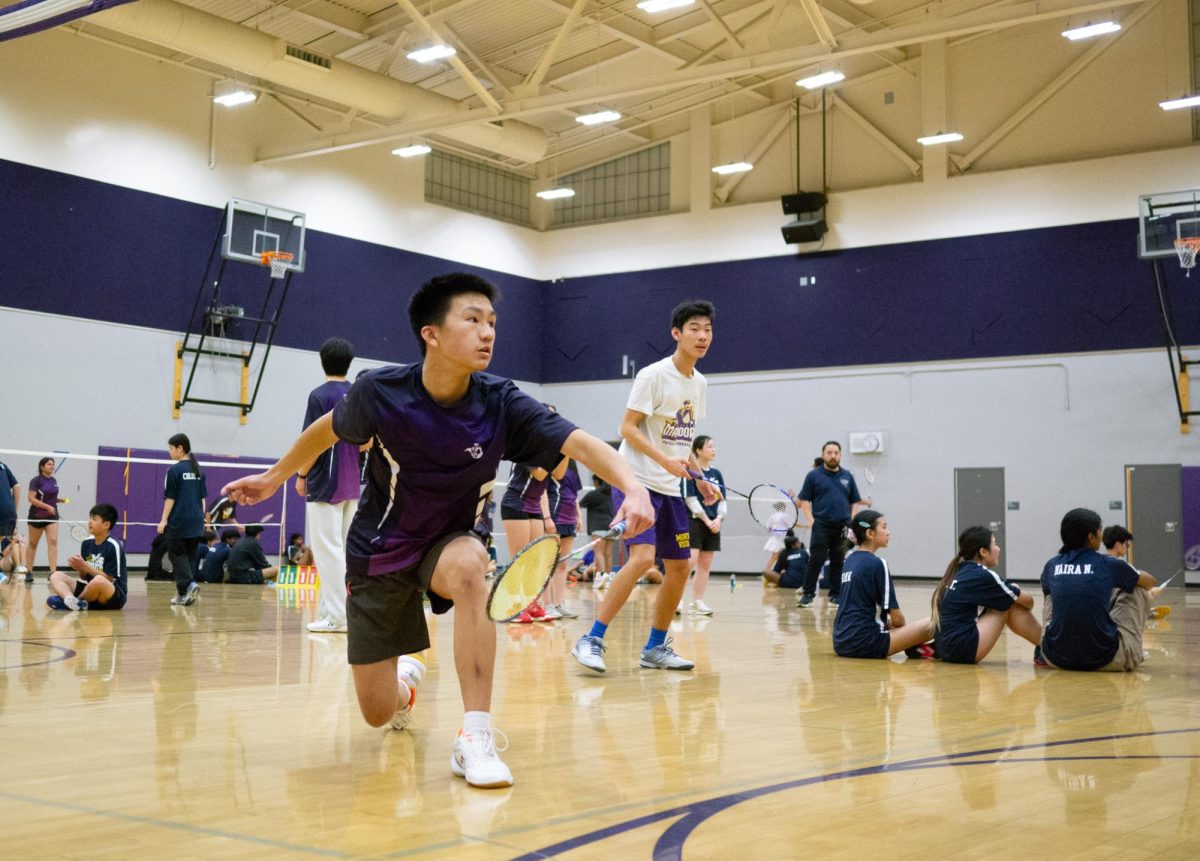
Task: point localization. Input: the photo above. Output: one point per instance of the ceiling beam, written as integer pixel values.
(535, 78)
(730, 36)
(339, 19)
(455, 61)
(870, 128)
(820, 25)
(725, 189)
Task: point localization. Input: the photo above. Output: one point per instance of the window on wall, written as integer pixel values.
(633, 185)
(476, 187)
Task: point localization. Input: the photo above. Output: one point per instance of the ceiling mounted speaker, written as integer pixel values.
(804, 230)
(802, 202)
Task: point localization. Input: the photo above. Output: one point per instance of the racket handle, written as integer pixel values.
(615, 530)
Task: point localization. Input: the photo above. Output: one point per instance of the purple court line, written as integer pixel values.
(670, 845)
(66, 654)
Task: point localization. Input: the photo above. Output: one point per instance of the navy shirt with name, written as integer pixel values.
(713, 476)
(974, 589)
(8, 506)
(790, 566)
(186, 486)
(831, 493)
(334, 475)
(524, 492)
(213, 570)
(1081, 634)
(866, 597)
(434, 466)
(109, 557)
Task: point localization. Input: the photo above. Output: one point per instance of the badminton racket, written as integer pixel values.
(518, 585)
(770, 506)
(79, 532)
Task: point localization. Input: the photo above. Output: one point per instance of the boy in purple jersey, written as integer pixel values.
(667, 400)
(439, 428)
(330, 488)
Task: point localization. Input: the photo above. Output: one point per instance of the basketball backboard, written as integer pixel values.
(252, 228)
(1164, 218)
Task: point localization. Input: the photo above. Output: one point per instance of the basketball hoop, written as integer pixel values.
(1187, 249)
(279, 260)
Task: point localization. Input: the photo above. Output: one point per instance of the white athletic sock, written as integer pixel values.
(477, 722)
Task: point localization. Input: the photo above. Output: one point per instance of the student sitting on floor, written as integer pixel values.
(247, 563)
(100, 563)
(214, 563)
(789, 568)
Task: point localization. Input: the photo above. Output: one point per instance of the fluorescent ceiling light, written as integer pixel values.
(733, 167)
(1176, 104)
(430, 53)
(598, 117)
(412, 150)
(19, 18)
(814, 82)
(232, 94)
(940, 137)
(556, 193)
(653, 6)
(1089, 30)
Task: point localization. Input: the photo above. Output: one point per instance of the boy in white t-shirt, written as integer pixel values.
(667, 401)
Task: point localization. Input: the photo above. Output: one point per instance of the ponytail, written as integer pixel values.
(859, 525)
(181, 440)
(972, 540)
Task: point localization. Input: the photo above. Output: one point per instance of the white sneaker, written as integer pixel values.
(600, 580)
(563, 612)
(20, 569)
(189, 597)
(664, 658)
(326, 626)
(409, 672)
(589, 651)
(476, 758)
(550, 613)
(699, 608)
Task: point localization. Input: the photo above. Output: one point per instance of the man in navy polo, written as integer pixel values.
(829, 498)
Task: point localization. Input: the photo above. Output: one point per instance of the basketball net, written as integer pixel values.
(1187, 249)
(279, 260)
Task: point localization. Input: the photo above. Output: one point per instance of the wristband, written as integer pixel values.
(302, 475)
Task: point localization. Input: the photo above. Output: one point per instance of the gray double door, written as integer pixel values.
(1154, 514)
(979, 501)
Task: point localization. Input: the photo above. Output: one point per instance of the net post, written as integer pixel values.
(1184, 426)
(178, 385)
(243, 417)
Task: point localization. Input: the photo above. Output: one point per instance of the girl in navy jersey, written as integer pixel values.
(182, 521)
(43, 515)
(869, 623)
(972, 605)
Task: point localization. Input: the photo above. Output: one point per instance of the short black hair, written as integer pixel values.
(1077, 524)
(254, 529)
(685, 311)
(230, 532)
(830, 442)
(208, 536)
(294, 536)
(105, 512)
(430, 303)
(336, 356)
(1115, 534)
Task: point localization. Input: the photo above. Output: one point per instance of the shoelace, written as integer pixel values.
(488, 739)
(596, 647)
(665, 647)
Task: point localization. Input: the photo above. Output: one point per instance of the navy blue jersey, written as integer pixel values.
(8, 507)
(524, 492)
(831, 493)
(213, 569)
(790, 566)
(187, 488)
(974, 589)
(1081, 634)
(334, 475)
(688, 488)
(866, 597)
(435, 466)
(109, 557)
(246, 560)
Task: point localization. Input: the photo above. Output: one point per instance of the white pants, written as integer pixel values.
(328, 523)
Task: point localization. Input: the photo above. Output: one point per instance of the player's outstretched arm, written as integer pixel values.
(600, 458)
(252, 489)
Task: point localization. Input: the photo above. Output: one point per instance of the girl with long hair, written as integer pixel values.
(182, 523)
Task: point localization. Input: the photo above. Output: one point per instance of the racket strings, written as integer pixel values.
(772, 508)
(524, 578)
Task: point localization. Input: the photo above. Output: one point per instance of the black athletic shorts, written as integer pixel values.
(8, 525)
(385, 614)
(565, 530)
(704, 538)
(507, 513)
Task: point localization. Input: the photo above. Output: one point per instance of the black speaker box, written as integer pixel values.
(804, 230)
(805, 201)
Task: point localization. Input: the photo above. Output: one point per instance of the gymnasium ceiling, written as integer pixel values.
(526, 68)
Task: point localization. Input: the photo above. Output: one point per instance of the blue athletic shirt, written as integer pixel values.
(524, 492)
(831, 493)
(974, 589)
(790, 566)
(188, 490)
(8, 507)
(109, 557)
(334, 475)
(866, 597)
(435, 466)
(711, 475)
(1081, 634)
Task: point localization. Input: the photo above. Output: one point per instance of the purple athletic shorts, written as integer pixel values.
(671, 532)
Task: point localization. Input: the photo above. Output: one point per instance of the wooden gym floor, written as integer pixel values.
(226, 731)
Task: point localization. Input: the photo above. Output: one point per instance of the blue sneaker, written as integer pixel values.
(54, 602)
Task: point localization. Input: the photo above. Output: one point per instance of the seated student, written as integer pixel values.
(1118, 542)
(214, 563)
(972, 605)
(207, 540)
(1096, 606)
(12, 556)
(869, 623)
(298, 553)
(789, 568)
(101, 565)
(247, 563)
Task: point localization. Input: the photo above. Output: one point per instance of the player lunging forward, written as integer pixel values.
(440, 428)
